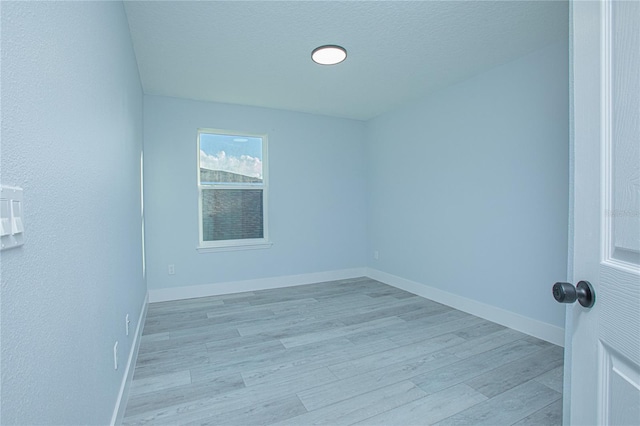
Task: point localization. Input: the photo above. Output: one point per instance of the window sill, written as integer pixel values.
(234, 247)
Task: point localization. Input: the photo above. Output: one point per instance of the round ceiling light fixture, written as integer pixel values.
(329, 54)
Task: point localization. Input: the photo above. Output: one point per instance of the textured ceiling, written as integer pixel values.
(258, 53)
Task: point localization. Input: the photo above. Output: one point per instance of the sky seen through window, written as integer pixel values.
(231, 153)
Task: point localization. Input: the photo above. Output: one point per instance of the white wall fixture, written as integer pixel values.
(115, 356)
(11, 209)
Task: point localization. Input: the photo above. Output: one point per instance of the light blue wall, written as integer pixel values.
(71, 137)
(316, 193)
(468, 188)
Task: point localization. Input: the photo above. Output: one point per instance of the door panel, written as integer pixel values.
(605, 340)
(620, 391)
(619, 320)
(621, 34)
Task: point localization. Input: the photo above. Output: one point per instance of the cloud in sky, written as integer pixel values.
(243, 165)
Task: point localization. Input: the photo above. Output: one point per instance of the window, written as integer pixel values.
(232, 188)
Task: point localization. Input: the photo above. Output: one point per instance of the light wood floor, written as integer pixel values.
(338, 353)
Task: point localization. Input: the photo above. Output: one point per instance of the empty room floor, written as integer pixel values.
(338, 353)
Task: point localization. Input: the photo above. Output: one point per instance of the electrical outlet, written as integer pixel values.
(376, 255)
(115, 356)
(126, 323)
(172, 269)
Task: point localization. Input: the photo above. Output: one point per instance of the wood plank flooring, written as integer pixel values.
(338, 353)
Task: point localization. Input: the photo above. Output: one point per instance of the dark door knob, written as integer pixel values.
(567, 293)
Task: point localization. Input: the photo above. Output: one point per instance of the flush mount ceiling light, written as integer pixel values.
(329, 54)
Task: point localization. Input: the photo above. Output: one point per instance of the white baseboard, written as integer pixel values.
(123, 396)
(189, 292)
(530, 326)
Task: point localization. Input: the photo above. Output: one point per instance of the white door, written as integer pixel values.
(603, 343)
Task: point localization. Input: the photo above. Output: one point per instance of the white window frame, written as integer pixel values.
(242, 244)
